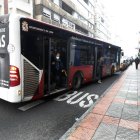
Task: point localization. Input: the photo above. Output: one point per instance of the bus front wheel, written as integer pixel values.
(77, 81)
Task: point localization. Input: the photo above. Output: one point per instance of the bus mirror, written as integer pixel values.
(122, 53)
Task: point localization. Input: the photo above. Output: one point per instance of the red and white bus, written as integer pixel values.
(25, 58)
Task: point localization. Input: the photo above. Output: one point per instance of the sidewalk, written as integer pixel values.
(115, 116)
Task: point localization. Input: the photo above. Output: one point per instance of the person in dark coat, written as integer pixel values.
(58, 70)
(136, 62)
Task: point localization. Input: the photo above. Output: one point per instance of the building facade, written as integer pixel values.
(102, 30)
(66, 14)
(83, 16)
(2, 7)
(22, 7)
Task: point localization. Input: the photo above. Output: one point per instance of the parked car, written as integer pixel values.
(123, 65)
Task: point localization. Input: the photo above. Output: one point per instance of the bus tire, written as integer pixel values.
(77, 81)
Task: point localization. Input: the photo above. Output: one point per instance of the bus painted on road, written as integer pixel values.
(26, 48)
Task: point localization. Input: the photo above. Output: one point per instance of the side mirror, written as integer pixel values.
(122, 53)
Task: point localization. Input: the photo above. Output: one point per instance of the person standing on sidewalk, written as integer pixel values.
(136, 62)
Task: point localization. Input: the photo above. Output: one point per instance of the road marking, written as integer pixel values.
(31, 105)
(84, 100)
(65, 96)
(70, 101)
(90, 101)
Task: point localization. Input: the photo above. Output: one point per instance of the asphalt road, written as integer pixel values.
(52, 118)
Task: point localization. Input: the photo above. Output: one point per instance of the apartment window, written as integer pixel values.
(56, 18)
(102, 20)
(71, 25)
(82, 19)
(56, 2)
(67, 8)
(27, 1)
(86, 1)
(64, 22)
(46, 12)
(75, 15)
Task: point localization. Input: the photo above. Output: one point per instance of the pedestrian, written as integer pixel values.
(99, 69)
(136, 62)
(58, 70)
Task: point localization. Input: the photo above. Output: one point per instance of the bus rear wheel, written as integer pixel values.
(77, 81)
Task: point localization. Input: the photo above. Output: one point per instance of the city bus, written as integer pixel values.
(26, 48)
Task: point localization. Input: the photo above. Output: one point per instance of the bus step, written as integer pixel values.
(31, 105)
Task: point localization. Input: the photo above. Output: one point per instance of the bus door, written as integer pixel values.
(97, 54)
(58, 64)
(46, 64)
(54, 80)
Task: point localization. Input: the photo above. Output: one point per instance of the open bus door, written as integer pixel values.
(46, 64)
(51, 47)
(97, 52)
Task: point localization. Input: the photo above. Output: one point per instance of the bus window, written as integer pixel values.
(107, 55)
(32, 48)
(81, 54)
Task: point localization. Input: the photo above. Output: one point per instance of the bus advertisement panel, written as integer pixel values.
(4, 55)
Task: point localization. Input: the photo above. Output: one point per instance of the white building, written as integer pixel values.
(84, 16)
(77, 15)
(23, 7)
(1, 7)
(102, 30)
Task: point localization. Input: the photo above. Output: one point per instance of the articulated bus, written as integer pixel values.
(26, 46)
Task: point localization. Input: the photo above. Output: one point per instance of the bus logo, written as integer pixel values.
(25, 26)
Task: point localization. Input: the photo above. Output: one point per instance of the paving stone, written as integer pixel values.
(132, 98)
(139, 98)
(123, 97)
(115, 110)
(133, 107)
(111, 120)
(133, 89)
(105, 132)
(129, 124)
(129, 116)
(122, 93)
(126, 134)
(132, 94)
(123, 90)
